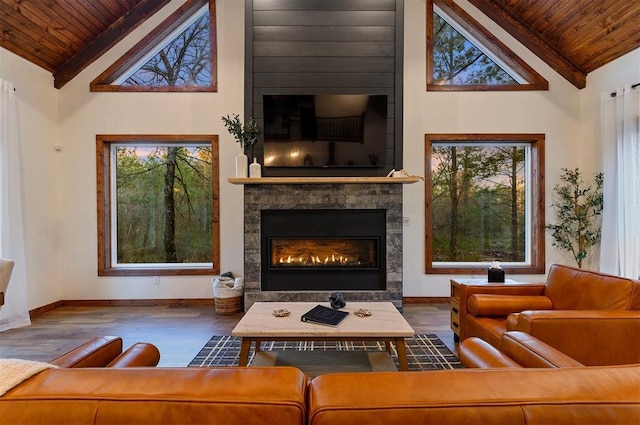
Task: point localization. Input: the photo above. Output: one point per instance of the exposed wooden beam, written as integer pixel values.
(563, 66)
(107, 39)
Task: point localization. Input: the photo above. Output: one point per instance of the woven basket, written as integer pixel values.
(230, 305)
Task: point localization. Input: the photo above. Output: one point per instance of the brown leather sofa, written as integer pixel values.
(284, 395)
(575, 311)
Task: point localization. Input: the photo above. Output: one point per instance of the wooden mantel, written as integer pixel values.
(323, 180)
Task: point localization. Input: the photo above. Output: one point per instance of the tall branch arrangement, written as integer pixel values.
(246, 133)
(578, 208)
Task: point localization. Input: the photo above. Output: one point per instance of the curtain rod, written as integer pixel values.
(614, 94)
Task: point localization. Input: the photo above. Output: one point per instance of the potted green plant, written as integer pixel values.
(578, 209)
(246, 134)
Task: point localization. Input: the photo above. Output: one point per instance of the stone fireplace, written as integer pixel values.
(322, 238)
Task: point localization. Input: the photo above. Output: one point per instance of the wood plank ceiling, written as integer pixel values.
(574, 37)
(65, 36)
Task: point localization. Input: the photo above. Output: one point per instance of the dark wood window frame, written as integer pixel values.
(104, 82)
(489, 41)
(537, 230)
(103, 170)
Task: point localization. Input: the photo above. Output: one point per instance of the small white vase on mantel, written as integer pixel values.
(255, 170)
(242, 166)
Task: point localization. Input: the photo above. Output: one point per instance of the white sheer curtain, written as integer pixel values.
(15, 312)
(620, 249)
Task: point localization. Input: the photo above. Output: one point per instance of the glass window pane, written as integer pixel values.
(457, 61)
(163, 204)
(185, 61)
(478, 203)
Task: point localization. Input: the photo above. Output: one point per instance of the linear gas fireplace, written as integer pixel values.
(304, 241)
(329, 249)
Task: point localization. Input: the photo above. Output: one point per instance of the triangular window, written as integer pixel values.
(179, 55)
(463, 55)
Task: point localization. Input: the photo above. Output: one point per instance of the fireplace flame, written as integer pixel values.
(315, 260)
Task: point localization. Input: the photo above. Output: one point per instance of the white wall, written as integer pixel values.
(84, 114)
(37, 105)
(555, 113)
(60, 187)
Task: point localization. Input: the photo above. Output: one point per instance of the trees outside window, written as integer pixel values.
(484, 202)
(158, 205)
(179, 55)
(463, 55)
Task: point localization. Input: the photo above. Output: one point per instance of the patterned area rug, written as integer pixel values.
(424, 352)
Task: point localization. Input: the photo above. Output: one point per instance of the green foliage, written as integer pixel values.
(578, 208)
(150, 230)
(246, 134)
(478, 210)
(457, 61)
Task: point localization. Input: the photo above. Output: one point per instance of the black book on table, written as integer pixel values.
(324, 316)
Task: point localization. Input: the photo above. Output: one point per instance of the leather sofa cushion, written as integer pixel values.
(159, 396)
(513, 396)
(576, 289)
(490, 305)
(592, 337)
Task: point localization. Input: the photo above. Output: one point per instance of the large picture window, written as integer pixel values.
(484, 202)
(157, 205)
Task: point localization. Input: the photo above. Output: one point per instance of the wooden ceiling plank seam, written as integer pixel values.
(98, 17)
(106, 12)
(586, 26)
(24, 49)
(32, 18)
(30, 55)
(610, 48)
(555, 59)
(548, 16)
(532, 11)
(83, 16)
(62, 19)
(36, 36)
(604, 40)
(112, 35)
(558, 21)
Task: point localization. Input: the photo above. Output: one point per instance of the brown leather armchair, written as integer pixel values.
(574, 304)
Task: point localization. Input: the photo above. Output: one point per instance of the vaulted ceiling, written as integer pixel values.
(574, 37)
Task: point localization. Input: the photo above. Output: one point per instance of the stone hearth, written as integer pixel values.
(258, 197)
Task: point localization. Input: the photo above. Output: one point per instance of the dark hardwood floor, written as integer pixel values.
(179, 332)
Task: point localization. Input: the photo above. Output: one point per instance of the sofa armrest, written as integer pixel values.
(140, 354)
(97, 352)
(531, 352)
(502, 305)
(467, 290)
(592, 337)
(477, 353)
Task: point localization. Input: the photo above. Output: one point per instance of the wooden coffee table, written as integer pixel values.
(385, 324)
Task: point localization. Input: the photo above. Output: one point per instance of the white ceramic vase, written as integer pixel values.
(255, 170)
(241, 166)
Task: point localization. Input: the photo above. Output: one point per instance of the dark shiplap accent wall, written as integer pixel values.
(326, 47)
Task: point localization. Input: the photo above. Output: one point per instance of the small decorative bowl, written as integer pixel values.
(283, 312)
(361, 312)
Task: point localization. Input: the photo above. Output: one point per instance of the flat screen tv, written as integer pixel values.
(325, 130)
